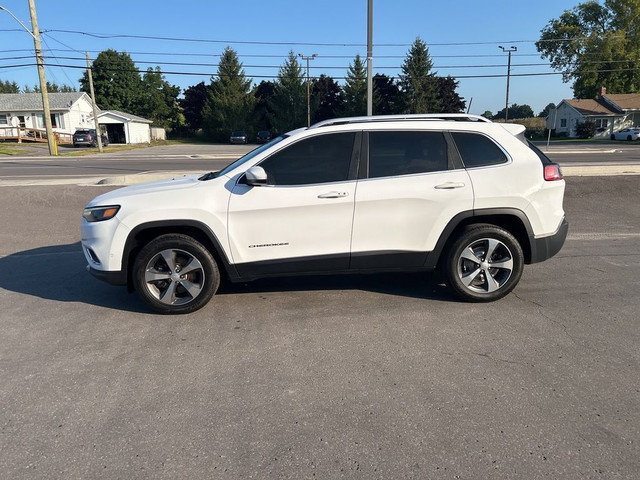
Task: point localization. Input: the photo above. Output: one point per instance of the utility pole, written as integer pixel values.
(53, 147)
(508, 50)
(93, 104)
(369, 57)
(308, 91)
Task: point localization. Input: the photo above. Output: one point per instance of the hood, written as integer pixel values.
(165, 186)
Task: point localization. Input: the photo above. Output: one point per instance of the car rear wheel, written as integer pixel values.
(175, 274)
(629, 138)
(484, 263)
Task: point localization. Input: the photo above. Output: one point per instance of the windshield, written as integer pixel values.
(250, 155)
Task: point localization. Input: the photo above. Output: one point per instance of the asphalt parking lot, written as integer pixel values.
(384, 376)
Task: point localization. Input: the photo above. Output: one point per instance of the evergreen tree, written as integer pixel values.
(158, 99)
(116, 81)
(326, 99)
(192, 105)
(545, 112)
(450, 101)
(229, 104)
(263, 113)
(9, 87)
(387, 99)
(289, 102)
(355, 89)
(419, 85)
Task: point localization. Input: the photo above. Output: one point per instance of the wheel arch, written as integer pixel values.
(144, 233)
(511, 219)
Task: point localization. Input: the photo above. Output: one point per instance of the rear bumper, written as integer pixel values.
(546, 247)
(117, 277)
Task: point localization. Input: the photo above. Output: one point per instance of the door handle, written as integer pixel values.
(333, 195)
(449, 185)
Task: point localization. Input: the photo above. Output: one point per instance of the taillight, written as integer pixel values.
(552, 172)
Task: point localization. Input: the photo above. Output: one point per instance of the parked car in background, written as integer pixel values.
(263, 136)
(87, 137)
(626, 134)
(238, 136)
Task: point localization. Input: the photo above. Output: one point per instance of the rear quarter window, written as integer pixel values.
(477, 150)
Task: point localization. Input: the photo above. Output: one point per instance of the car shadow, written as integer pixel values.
(59, 273)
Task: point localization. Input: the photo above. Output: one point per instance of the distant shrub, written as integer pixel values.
(586, 129)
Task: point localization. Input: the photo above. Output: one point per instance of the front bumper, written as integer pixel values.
(117, 277)
(546, 247)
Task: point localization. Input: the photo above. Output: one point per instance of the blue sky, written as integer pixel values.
(463, 39)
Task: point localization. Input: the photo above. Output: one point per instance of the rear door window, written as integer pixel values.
(406, 153)
(477, 150)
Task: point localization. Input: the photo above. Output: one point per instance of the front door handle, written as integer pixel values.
(333, 195)
(449, 185)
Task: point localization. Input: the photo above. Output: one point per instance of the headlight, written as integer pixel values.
(98, 214)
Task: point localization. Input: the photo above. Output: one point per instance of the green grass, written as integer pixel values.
(4, 150)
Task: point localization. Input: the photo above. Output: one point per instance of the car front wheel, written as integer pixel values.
(175, 274)
(484, 263)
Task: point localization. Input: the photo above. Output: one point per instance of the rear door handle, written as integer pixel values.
(449, 185)
(333, 195)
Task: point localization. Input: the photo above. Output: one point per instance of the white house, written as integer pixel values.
(609, 113)
(24, 111)
(21, 116)
(124, 127)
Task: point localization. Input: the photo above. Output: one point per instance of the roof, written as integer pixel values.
(126, 116)
(32, 102)
(590, 107)
(625, 101)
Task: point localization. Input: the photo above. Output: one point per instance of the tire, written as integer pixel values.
(613, 137)
(629, 138)
(474, 277)
(157, 279)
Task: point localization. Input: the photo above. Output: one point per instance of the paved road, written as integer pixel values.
(203, 158)
(374, 377)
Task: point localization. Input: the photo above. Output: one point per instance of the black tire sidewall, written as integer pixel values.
(469, 235)
(193, 247)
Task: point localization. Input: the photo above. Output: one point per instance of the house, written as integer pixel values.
(22, 117)
(609, 113)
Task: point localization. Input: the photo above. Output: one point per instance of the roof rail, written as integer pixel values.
(457, 117)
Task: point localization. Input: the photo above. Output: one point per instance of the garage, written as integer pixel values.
(124, 127)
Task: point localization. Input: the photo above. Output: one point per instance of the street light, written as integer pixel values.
(508, 50)
(308, 91)
(43, 81)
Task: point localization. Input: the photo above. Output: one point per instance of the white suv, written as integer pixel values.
(399, 193)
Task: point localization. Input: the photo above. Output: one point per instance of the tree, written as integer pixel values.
(595, 45)
(193, 103)
(326, 99)
(450, 101)
(515, 111)
(116, 81)
(387, 99)
(289, 101)
(419, 85)
(355, 89)
(229, 104)
(545, 112)
(488, 114)
(262, 111)
(9, 87)
(158, 99)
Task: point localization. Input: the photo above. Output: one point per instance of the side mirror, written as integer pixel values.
(256, 176)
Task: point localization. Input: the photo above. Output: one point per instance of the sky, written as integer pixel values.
(463, 38)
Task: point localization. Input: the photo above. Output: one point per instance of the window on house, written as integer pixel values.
(563, 123)
(3, 119)
(602, 123)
